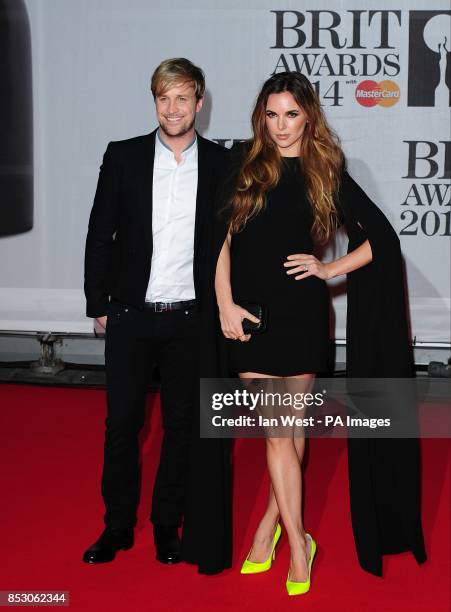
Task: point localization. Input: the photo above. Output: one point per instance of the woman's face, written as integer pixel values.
(285, 121)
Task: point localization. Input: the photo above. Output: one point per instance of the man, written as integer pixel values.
(146, 259)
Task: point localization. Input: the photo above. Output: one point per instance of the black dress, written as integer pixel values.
(297, 337)
(384, 474)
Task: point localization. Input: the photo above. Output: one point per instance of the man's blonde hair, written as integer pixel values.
(175, 71)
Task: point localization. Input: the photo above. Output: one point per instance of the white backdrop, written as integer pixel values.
(92, 61)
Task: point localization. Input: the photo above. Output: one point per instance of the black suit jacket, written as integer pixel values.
(118, 251)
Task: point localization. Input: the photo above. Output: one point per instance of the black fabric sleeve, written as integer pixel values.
(377, 306)
(103, 223)
(384, 474)
(365, 220)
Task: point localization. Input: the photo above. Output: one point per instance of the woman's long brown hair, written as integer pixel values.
(321, 159)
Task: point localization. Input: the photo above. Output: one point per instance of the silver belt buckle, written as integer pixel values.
(161, 307)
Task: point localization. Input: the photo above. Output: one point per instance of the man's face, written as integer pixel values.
(176, 109)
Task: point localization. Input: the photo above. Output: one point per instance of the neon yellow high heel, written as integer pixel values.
(250, 567)
(299, 588)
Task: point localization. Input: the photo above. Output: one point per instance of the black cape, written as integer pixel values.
(384, 474)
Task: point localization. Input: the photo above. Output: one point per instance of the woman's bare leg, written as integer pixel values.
(264, 535)
(284, 457)
(300, 547)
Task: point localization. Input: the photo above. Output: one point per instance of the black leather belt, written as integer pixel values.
(169, 306)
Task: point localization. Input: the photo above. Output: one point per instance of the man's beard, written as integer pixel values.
(183, 129)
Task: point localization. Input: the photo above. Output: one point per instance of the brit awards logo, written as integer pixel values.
(429, 59)
(351, 54)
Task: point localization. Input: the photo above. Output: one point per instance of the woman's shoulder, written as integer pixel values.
(346, 184)
(241, 145)
(231, 170)
(239, 149)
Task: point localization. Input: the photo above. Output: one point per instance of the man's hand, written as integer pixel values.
(102, 321)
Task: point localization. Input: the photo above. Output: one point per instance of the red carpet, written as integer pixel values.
(51, 460)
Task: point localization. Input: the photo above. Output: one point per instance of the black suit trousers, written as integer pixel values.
(136, 339)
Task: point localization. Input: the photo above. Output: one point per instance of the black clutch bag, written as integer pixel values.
(259, 311)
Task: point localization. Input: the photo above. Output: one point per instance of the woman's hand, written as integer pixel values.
(102, 321)
(231, 316)
(306, 265)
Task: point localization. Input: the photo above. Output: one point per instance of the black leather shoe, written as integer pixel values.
(106, 547)
(167, 543)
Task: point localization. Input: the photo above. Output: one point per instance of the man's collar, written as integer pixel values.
(161, 142)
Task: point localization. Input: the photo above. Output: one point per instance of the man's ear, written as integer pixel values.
(199, 104)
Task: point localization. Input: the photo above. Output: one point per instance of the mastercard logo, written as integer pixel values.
(370, 93)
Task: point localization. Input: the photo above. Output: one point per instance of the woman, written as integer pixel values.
(286, 196)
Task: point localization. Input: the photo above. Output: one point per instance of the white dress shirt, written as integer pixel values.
(173, 217)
